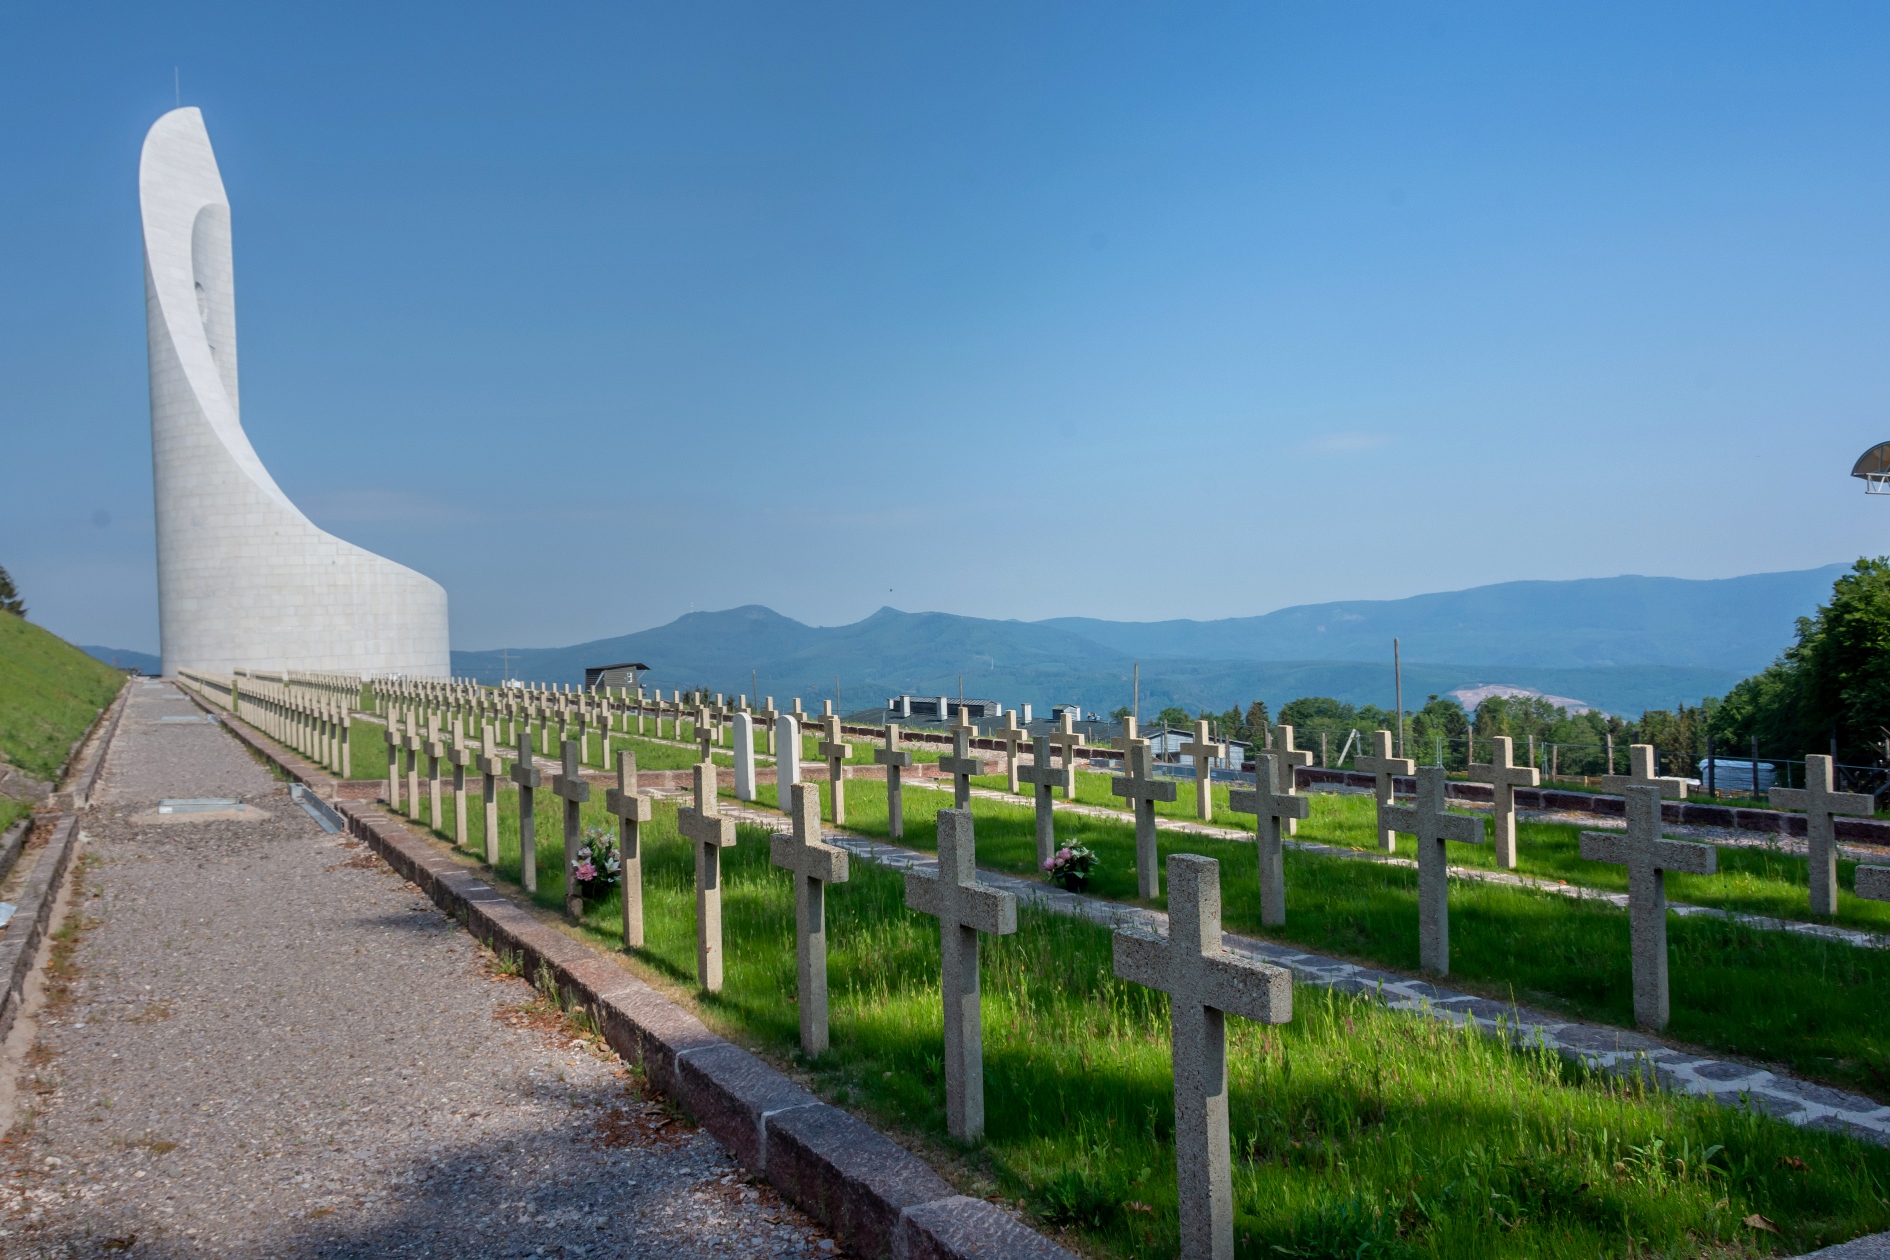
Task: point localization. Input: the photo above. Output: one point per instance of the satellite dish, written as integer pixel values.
(1874, 467)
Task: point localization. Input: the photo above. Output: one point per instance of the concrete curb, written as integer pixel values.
(20, 945)
(878, 1198)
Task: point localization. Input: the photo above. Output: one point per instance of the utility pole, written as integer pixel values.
(1397, 680)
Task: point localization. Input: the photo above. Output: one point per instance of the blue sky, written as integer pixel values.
(601, 314)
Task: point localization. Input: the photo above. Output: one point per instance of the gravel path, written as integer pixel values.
(264, 1043)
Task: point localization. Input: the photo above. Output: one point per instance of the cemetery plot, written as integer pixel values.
(1354, 1130)
(1806, 1003)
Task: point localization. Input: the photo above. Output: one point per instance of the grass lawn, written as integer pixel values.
(1357, 1132)
(1808, 1004)
(1752, 881)
(50, 692)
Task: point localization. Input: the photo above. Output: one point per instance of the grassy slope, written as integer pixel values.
(49, 693)
(1356, 1131)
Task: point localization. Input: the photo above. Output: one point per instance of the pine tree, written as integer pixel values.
(10, 600)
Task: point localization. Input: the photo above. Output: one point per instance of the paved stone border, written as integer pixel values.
(878, 1198)
(1617, 1051)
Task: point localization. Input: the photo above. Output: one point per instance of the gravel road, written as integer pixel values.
(261, 1042)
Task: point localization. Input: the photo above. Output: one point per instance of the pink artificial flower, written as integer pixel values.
(1063, 855)
(1048, 863)
(586, 872)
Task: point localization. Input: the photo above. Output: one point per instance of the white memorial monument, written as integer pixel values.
(244, 579)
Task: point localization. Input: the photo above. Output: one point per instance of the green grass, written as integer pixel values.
(1811, 1005)
(1357, 1132)
(50, 692)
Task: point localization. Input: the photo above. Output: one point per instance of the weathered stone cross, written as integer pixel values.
(1820, 803)
(1274, 804)
(705, 827)
(836, 752)
(570, 786)
(961, 765)
(529, 778)
(894, 759)
(1505, 777)
(392, 735)
(631, 809)
(1641, 765)
(1204, 752)
(1066, 741)
(461, 757)
(435, 749)
(764, 725)
(1012, 734)
(413, 742)
(1043, 776)
(964, 907)
(1432, 826)
(1289, 760)
(491, 770)
(813, 865)
(1142, 790)
(1384, 766)
(705, 731)
(1648, 858)
(1204, 983)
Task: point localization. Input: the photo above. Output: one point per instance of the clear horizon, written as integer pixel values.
(1014, 312)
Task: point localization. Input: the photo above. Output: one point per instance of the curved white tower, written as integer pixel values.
(244, 579)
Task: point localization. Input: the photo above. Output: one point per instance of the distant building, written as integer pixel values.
(938, 710)
(624, 675)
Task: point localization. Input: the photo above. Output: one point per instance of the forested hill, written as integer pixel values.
(1623, 644)
(1737, 624)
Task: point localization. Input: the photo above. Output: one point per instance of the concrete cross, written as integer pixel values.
(1142, 790)
(529, 778)
(895, 759)
(705, 732)
(460, 756)
(1641, 765)
(1274, 804)
(392, 735)
(435, 749)
(631, 809)
(1204, 983)
(1289, 759)
(744, 725)
(1043, 776)
(765, 718)
(1012, 734)
(710, 833)
(964, 907)
(491, 769)
(1820, 803)
(813, 866)
(1128, 741)
(836, 752)
(1432, 826)
(584, 731)
(413, 743)
(1384, 767)
(961, 765)
(574, 791)
(1648, 858)
(1505, 777)
(1066, 741)
(1204, 752)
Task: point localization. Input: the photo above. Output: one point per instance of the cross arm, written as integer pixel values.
(1404, 766)
(965, 765)
(1142, 960)
(1141, 789)
(1399, 818)
(1463, 828)
(1256, 990)
(1050, 776)
(842, 751)
(629, 806)
(572, 788)
(525, 774)
(1242, 801)
(977, 906)
(892, 757)
(1827, 802)
(1670, 788)
(706, 828)
(824, 862)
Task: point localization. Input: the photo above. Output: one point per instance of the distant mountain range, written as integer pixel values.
(1621, 644)
(123, 658)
